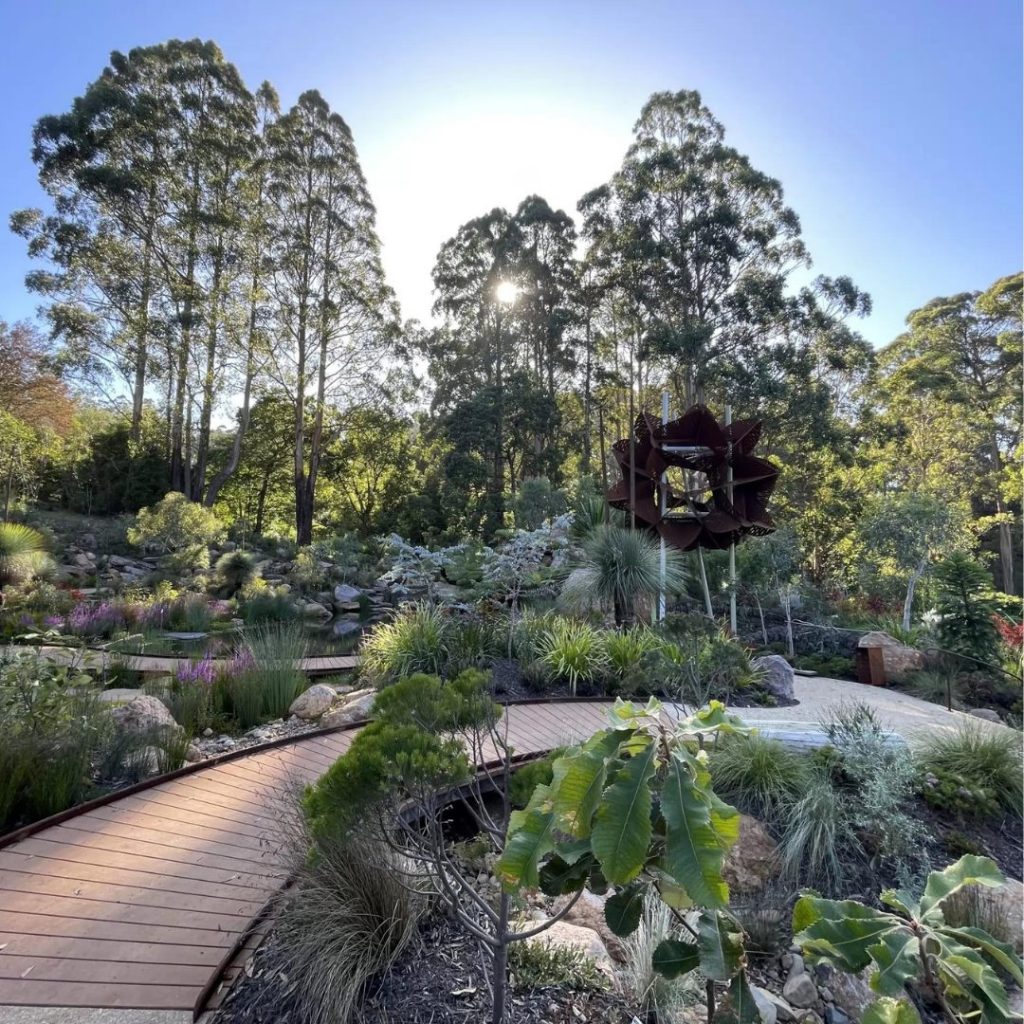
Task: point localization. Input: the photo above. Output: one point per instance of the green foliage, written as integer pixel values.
(632, 808)
(260, 604)
(22, 554)
(984, 762)
(625, 651)
(53, 730)
(274, 650)
(416, 640)
(538, 963)
(910, 943)
(527, 778)
(759, 775)
(536, 500)
(967, 609)
(404, 751)
(180, 529)
(704, 666)
(573, 650)
(621, 568)
(234, 571)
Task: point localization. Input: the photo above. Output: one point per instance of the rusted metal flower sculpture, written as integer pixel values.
(700, 512)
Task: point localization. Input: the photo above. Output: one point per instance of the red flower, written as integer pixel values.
(1011, 632)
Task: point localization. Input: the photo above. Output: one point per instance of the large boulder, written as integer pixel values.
(1000, 911)
(142, 716)
(588, 912)
(346, 594)
(312, 703)
(775, 674)
(753, 859)
(562, 935)
(315, 610)
(898, 660)
(357, 707)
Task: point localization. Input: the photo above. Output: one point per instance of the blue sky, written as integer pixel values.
(894, 125)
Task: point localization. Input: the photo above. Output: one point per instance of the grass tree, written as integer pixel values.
(22, 554)
(620, 568)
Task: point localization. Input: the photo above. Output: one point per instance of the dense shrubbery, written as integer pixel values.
(180, 530)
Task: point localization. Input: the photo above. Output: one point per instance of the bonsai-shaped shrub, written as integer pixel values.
(909, 944)
(179, 529)
(22, 555)
(235, 570)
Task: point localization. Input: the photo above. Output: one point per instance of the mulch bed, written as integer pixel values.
(439, 979)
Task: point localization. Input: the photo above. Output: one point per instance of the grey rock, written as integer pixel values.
(800, 991)
(88, 541)
(833, 1015)
(314, 610)
(776, 675)
(312, 703)
(345, 593)
(988, 714)
(765, 1007)
(357, 707)
(143, 715)
(851, 993)
(345, 627)
(783, 1011)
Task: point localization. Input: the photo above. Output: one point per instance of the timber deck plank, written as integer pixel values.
(137, 902)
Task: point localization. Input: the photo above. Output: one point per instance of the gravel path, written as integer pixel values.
(912, 718)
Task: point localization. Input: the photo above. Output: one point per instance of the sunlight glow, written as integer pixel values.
(506, 292)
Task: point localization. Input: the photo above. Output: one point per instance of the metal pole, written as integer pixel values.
(732, 546)
(663, 508)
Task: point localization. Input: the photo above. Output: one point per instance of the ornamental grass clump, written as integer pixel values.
(234, 570)
(354, 907)
(759, 775)
(416, 640)
(271, 679)
(573, 650)
(22, 555)
(978, 758)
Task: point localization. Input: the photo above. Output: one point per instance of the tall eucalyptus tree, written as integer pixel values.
(334, 314)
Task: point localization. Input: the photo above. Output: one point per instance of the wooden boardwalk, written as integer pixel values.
(161, 664)
(143, 902)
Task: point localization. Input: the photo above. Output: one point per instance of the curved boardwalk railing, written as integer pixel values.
(98, 660)
(142, 900)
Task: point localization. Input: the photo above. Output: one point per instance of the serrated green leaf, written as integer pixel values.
(623, 910)
(694, 851)
(840, 931)
(557, 876)
(576, 787)
(739, 1007)
(673, 958)
(890, 1011)
(897, 960)
(975, 977)
(622, 825)
(720, 942)
(968, 870)
(529, 838)
(901, 900)
(998, 953)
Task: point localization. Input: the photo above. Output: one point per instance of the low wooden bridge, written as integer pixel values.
(153, 898)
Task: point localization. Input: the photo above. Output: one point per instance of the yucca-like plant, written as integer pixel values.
(620, 568)
(416, 640)
(573, 650)
(22, 554)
